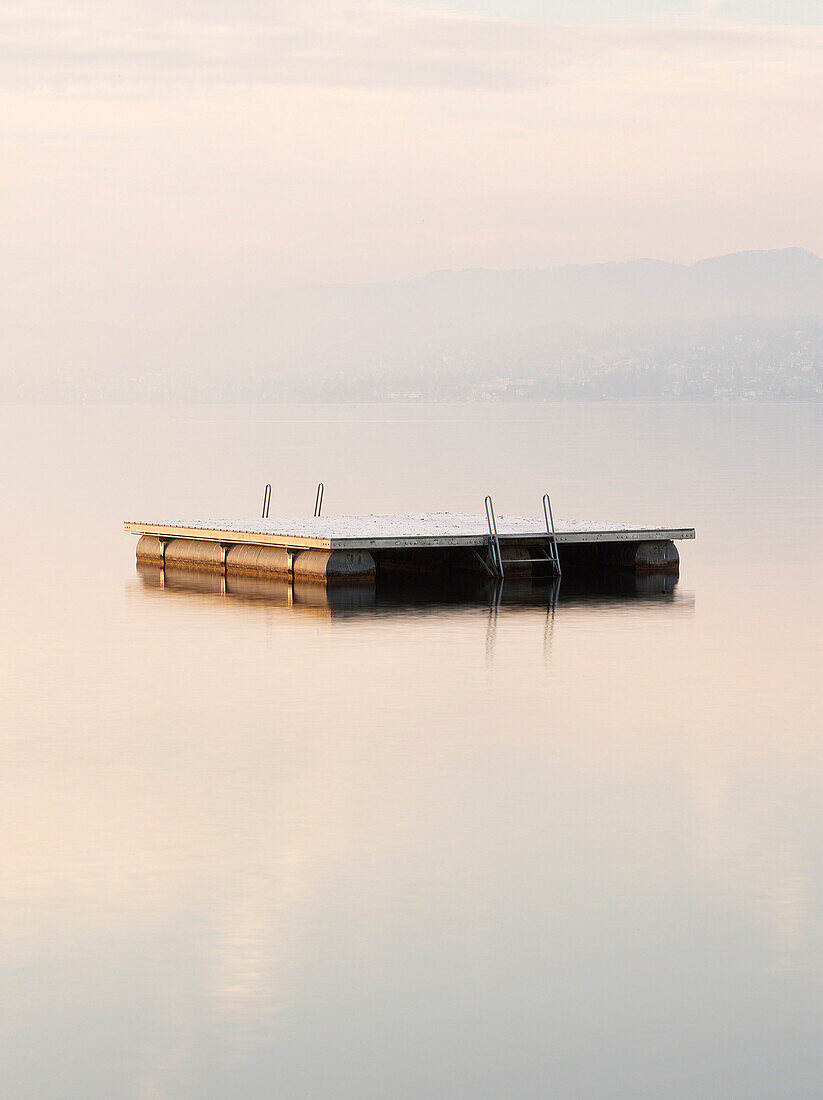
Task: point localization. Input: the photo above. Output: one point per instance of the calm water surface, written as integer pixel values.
(412, 850)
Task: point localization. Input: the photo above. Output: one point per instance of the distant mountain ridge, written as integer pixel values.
(417, 323)
(461, 305)
(448, 332)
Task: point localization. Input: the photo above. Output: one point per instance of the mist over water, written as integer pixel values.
(258, 843)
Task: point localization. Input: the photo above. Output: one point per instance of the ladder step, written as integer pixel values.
(529, 561)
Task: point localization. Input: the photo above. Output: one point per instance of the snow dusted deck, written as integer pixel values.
(425, 530)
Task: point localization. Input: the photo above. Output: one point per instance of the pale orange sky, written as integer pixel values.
(223, 149)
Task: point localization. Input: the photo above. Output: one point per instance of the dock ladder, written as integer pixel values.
(550, 554)
(553, 555)
(494, 540)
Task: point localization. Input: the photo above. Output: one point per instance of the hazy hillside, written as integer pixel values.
(459, 334)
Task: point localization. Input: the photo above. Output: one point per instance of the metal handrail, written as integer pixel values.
(266, 502)
(547, 512)
(494, 539)
(318, 499)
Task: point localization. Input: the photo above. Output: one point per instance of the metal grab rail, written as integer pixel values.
(266, 502)
(494, 540)
(553, 551)
(318, 499)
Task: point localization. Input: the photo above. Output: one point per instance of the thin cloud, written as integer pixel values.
(95, 46)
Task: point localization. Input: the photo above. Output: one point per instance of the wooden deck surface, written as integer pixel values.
(410, 530)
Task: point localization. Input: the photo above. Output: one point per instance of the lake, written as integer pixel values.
(413, 848)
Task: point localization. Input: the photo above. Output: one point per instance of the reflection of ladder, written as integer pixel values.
(551, 607)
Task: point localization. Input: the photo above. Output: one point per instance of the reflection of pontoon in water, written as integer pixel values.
(398, 594)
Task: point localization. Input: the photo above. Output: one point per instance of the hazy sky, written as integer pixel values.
(583, 11)
(215, 148)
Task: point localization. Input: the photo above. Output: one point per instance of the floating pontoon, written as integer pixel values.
(350, 549)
